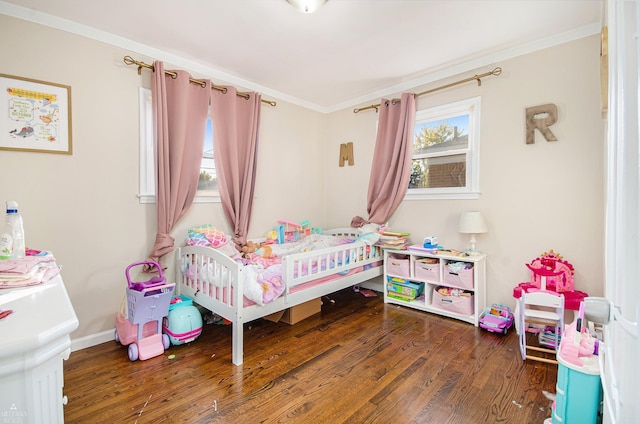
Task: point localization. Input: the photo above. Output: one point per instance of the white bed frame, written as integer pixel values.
(228, 274)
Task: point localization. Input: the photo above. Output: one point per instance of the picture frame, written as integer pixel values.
(35, 116)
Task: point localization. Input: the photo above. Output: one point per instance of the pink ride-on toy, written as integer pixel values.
(496, 319)
(147, 305)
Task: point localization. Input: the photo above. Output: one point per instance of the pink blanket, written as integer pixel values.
(262, 277)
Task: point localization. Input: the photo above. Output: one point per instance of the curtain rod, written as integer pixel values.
(495, 72)
(131, 61)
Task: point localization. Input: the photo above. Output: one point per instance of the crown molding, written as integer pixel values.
(456, 68)
(427, 77)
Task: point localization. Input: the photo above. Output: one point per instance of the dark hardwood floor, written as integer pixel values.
(358, 361)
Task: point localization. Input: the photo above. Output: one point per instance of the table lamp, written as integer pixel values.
(472, 222)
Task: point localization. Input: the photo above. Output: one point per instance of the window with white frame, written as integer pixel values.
(445, 160)
(208, 182)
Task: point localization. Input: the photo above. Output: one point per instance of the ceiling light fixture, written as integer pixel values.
(307, 6)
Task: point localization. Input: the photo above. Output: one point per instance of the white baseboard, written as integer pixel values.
(92, 340)
(375, 284)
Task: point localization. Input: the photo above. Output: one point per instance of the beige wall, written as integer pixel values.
(84, 207)
(549, 195)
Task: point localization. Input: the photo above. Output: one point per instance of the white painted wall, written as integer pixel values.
(84, 207)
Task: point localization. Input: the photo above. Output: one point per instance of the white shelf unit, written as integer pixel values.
(410, 266)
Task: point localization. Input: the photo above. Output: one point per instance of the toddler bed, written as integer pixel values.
(241, 291)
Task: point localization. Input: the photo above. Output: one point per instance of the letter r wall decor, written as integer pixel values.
(540, 118)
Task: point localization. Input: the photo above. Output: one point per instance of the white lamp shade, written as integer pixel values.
(472, 222)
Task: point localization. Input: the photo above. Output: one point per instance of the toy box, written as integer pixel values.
(297, 313)
(497, 319)
(427, 269)
(461, 303)
(404, 287)
(398, 266)
(459, 274)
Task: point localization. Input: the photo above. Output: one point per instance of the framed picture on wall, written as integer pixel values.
(35, 116)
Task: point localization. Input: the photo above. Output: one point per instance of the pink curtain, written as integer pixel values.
(235, 128)
(180, 111)
(391, 167)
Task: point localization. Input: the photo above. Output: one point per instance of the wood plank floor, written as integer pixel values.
(358, 361)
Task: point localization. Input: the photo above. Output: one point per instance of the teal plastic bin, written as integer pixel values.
(578, 393)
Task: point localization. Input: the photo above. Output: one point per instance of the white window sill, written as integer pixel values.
(151, 198)
(442, 196)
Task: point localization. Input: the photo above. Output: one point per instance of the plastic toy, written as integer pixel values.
(272, 237)
(558, 276)
(288, 231)
(551, 272)
(450, 291)
(497, 319)
(183, 324)
(430, 242)
(147, 305)
(547, 337)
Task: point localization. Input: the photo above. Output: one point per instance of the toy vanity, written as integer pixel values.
(550, 272)
(578, 390)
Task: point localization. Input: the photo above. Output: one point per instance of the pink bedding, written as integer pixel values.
(263, 280)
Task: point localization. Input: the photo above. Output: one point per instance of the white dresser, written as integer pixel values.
(35, 341)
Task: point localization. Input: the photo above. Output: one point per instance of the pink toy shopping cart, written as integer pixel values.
(147, 305)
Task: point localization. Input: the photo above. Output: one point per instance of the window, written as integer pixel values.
(445, 161)
(208, 183)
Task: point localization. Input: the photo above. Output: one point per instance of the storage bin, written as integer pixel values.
(407, 288)
(398, 266)
(297, 313)
(424, 270)
(457, 304)
(462, 278)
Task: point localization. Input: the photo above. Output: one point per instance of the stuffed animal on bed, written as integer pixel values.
(250, 247)
(263, 250)
(369, 234)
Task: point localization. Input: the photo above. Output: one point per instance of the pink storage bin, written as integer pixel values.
(398, 266)
(427, 271)
(462, 305)
(463, 278)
